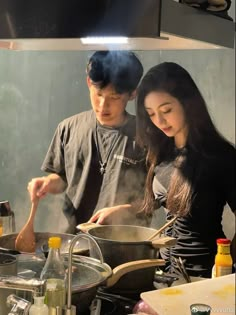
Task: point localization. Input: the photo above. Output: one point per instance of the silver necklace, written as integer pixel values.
(103, 164)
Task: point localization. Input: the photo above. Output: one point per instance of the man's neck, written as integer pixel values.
(117, 124)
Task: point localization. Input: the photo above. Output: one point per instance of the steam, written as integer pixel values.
(49, 217)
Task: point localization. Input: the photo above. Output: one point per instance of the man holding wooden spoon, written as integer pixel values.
(93, 157)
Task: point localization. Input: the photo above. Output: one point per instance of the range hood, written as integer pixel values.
(146, 24)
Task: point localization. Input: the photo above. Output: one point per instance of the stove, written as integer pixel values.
(108, 302)
(111, 304)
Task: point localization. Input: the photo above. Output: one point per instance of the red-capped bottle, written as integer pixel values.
(223, 259)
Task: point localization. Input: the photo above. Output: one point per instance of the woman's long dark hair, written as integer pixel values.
(203, 138)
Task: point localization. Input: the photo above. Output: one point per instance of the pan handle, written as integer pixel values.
(84, 227)
(9, 251)
(123, 269)
(164, 242)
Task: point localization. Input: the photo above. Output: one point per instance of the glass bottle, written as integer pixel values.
(54, 272)
(38, 308)
(223, 259)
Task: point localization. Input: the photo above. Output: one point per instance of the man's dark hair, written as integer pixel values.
(121, 69)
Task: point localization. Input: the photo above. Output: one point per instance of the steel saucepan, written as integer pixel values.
(126, 243)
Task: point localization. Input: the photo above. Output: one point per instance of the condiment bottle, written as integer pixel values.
(223, 259)
(39, 308)
(54, 272)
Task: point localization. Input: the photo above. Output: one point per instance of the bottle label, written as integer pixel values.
(223, 270)
(223, 249)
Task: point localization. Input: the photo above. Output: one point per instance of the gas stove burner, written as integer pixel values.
(111, 304)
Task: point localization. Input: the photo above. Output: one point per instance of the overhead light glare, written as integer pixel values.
(104, 40)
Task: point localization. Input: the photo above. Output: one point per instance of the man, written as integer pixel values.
(93, 156)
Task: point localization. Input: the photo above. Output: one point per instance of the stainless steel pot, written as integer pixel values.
(7, 242)
(125, 243)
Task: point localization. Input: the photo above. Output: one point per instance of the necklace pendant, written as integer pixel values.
(102, 168)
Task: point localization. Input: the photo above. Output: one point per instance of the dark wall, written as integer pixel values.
(37, 90)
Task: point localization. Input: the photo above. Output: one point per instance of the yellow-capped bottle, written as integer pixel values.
(54, 272)
(223, 259)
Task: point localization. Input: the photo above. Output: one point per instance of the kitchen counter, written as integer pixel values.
(219, 293)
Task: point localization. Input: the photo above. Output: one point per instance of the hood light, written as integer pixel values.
(104, 40)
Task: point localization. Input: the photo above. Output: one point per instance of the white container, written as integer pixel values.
(39, 308)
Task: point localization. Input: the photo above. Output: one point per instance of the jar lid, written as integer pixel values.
(224, 241)
(54, 242)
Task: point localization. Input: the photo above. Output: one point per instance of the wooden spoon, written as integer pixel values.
(162, 229)
(25, 241)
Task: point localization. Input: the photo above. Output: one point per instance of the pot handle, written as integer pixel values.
(9, 251)
(84, 227)
(164, 242)
(123, 269)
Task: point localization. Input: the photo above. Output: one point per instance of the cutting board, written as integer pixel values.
(219, 293)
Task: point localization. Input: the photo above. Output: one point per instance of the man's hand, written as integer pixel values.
(39, 187)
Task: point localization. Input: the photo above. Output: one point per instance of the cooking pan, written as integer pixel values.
(125, 243)
(7, 243)
(87, 275)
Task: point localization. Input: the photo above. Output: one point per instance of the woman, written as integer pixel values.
(191, 166)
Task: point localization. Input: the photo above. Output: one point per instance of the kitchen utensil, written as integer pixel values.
(122, 243)
(125, 243)
(25, 240)
(84, 227)
(87, 275)
(7, 243)
(8, 264)
(125, 268)
(180, 264)
(188, 279)
(150, 238)
(219, 293)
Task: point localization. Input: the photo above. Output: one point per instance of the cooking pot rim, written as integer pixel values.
(41, 238)
(105, 240)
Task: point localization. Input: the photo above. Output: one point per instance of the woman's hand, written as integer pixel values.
(111, 215)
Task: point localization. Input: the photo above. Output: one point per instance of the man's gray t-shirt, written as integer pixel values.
(74, 155)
